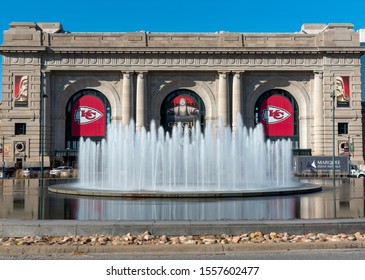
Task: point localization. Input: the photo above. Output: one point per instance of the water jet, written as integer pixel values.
(219, 162)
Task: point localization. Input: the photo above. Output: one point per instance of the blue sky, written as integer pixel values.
(181, 15)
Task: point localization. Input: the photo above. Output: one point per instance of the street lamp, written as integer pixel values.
(41, 136)
(333, 95)
(41, 125)
(42, 132)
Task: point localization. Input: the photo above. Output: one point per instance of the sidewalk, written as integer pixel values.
(173, 249)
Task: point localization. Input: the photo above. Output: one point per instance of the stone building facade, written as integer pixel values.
(140, 76)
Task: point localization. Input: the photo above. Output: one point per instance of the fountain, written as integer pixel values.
(220, 162)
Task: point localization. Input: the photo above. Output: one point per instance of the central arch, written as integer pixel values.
(88, 112)
(203, 89)
(182, 107)
(299, 92)
(278, 111)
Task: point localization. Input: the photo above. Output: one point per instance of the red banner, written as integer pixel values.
(21, 90)
(277, 116)
(346, 86)
(88, 117)
(343, 90)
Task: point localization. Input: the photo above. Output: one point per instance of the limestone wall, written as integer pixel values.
(228, 70)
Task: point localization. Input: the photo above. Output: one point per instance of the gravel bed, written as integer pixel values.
(147, 238)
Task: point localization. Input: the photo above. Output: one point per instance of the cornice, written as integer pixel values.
(22, 49)
(309, 51)
(213, 51)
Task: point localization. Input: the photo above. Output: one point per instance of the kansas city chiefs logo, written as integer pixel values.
(85, 115)
(273, 114)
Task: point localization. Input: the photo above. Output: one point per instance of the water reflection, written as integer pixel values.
(24, 199)
(19, 199)
(162, 209)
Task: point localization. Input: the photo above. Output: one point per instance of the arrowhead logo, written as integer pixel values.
(273, 114)
(311, 165)
(86, 115)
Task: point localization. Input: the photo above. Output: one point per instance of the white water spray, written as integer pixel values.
(187, 161)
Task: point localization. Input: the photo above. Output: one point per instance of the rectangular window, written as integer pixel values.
(20, 129)
(343, 128)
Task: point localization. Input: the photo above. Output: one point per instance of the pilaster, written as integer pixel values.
(140, 101)
(222, 98)
(318, 118)
(126, 98)
(236, 98)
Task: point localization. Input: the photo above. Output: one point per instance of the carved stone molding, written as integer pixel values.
(21, 59)
(237, 75)
(318, 74)
(186, 59)
(61, 83)
(223, 75)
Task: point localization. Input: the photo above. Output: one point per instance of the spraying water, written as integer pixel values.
(220, 159)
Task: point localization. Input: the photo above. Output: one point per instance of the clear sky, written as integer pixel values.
(182, 15)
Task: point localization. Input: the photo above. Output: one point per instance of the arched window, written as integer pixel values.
(87, 115)
(278, 112)
(182, 107)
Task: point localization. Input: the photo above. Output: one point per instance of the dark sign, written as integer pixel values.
(320, 165)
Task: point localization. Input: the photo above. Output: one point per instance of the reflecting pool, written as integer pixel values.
(26, 199)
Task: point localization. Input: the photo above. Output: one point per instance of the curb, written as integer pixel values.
(21, 228)
(174, 249)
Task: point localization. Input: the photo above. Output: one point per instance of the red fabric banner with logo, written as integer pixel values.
(88, 117)
(277, 116)
(346, 86)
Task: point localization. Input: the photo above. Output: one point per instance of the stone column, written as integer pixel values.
(222, 98)
(140, 101)
(236, 98)
(126, 99)
(318, 118)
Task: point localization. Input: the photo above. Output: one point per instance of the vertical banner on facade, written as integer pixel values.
(277, 116)
(343, 91)
(21, 91)
(88, 117)
(182, 109)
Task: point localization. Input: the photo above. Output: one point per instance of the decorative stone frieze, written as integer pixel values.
(180, 60)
